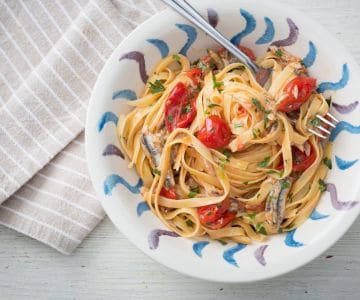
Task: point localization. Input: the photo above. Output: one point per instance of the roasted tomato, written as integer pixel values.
(215, 133)
(297, 92)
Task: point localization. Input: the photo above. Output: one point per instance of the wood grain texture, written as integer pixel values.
(107, 266)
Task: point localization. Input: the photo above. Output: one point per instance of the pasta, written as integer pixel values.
(222, 155)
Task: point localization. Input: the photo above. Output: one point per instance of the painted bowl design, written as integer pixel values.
(254, 24)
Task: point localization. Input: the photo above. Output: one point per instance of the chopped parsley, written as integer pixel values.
(186, 109)
(156, 87)
(315, 122)
(176, 57)
(216, 84)
(238, 125)
(222, 162)
(328, 101)
(211, 105)
(257, 104)
(222, 242)
(279, 53)
(322, 185)
(266, 120)
(202, 66)
(252, 216)
(260, 229)
(302, 63)
(255, 132)
(327, 162)
(280, 230)
(246, 182)
(156, 172)
(285, 184)
(264, 163)
(189, 223)
(227, 153)
(170, 118)
(193, 192)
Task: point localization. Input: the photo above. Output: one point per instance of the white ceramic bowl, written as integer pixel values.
(255, 24)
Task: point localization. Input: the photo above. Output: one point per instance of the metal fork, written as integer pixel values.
(190, 13)
(322, 132)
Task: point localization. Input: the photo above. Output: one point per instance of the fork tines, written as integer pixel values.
(321, 131)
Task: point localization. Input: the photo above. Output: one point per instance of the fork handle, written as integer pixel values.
(188, 12)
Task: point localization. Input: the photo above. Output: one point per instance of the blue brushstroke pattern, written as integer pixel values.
(336, 85)
(289, 240)
(249, 28)
(343, 126)
(315, 215)
(309, 59)
(106, 118)
(141, 208)
(126, 94)
(199, 246)
(191, 36)
(344, 164)
(229, 254)
(269, 33)
(112, 180)
(161, 45)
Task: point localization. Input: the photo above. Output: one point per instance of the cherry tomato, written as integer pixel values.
(212, 212)
(215, 133)
(168, 193)
(242, 111)
(226, 218)
(180, 110)
(298, 92)
(249, 53)
(255, 208)
(300, 161)
(194, 74)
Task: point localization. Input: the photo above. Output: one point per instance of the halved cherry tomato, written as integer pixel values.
(212, 212)
(242, 111)
(180, 110)
(255, 208)
(249, 53)
(215, 133)
(194, 74)
(168, 193)
(300, 161)
(298, 92)
(226, 218)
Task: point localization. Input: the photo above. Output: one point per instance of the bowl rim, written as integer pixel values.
(323, 243)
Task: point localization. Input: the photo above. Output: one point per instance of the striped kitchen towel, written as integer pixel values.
(51, 52)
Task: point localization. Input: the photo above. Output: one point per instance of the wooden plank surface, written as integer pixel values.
(107, 266)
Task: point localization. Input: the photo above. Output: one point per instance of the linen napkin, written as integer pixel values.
(51, 53)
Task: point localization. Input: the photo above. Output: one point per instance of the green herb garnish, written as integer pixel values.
(222, 242)
(264, 163)
(255, 132)
(238, 125)
(227, 153)
(156, 87)
(193, 192)
(322, 185)
(202, 66)
(170, 118)
(280, 230)
(216, 84)
(156, 172)
(315, 122)
(211, 105)
(328, 101)
(279, 53)
(176, 57)
(257, 104)
(252, 216)
(189, 223)
(327, 162)
(260, 229)
(186, 109)
(285, 184)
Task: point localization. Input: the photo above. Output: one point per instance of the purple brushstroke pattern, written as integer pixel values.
(113, 150)
(345, 109)
(291, 39)
(259, 254)
(338, 205)
(154, 237)
(212, 17)
(139, 58)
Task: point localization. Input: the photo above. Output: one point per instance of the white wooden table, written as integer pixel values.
(107, 266)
